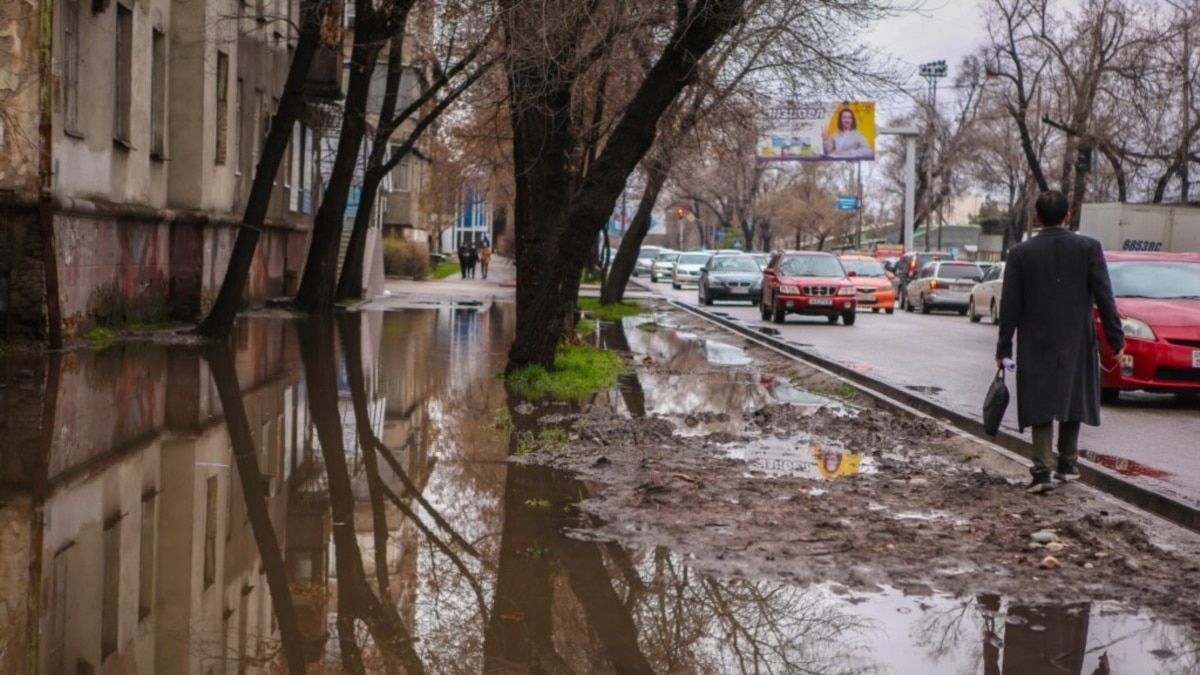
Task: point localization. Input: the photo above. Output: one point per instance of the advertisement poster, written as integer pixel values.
(819, 132)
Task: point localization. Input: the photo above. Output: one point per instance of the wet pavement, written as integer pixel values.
(340, 499)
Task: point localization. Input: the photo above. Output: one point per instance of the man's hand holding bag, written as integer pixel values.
(995, 403)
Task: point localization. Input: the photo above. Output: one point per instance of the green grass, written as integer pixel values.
(609, 312)
(585, 328)
(648, 327)
(578, 372)
(444, 270)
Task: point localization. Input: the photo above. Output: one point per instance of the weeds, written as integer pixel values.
(538, 503)
(585, 328)
(648, 327)
(550, 438)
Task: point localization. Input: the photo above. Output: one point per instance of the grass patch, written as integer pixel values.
(502, 420)
(648, 327)
(609, 312)
(585, 328)
(444, 270)
(578, 372)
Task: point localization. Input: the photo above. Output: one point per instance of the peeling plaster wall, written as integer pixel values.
(18, 96)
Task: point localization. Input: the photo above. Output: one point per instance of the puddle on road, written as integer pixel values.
(322, 498)
(1121, 465)
(923, 389)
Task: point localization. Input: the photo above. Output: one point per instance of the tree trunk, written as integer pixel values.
(631, 243)
(219, 322)
(317, 286)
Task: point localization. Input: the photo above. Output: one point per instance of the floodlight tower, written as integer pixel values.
(932, 72)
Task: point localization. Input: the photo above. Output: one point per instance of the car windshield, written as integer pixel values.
(733, 264)
(811, 266)
(959, 272)
(667, 256)
(1155, 279)
(693, 259)
(863, 267)
(648, 251)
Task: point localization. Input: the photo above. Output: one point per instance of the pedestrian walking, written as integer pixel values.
(485, 257)
(472, 260)
(1051, 283)
(463, 255)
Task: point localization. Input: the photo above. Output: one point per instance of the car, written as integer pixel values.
(909, 266)
(645, 259)
(810, 283)
(687, 268)
(1158, 300)
(730, 277)
(760, 258)
(943, 285)
(986, 294)
(663, 263)
(873, 282)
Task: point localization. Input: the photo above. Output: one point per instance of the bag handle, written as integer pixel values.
(1000, 373)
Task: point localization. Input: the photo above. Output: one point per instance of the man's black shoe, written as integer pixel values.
(1066, 472)
(1041, 483)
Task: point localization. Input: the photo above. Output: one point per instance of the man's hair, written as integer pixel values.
(1051, 207)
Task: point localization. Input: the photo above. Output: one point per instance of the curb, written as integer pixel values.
(1095, 476)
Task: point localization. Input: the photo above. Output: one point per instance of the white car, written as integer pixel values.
(687, 268)
(943, 284)
(985, 297)
(645, 259)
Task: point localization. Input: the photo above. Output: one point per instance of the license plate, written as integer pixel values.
(866, 298)
(1196, 359)
(740, 291)
(961, 288)
(821, 302)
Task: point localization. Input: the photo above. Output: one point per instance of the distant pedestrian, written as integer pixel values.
(464, 254)
(472, 259)
(485, 257)
(1051, 283)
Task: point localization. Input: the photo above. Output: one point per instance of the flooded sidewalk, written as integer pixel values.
(367, 496)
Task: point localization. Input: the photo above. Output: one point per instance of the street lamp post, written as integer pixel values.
(932, 72)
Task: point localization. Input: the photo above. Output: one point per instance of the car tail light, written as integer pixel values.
(933, 283)
(846, 290)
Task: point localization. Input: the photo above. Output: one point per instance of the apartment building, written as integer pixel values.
(141, 135)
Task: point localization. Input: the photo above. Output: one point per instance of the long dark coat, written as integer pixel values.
(1051, 283)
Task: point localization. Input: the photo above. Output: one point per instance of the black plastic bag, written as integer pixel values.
(994, 404)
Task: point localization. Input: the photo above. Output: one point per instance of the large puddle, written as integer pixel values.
(339, 500)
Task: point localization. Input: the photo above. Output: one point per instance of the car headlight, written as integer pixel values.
(847, 290)
(789, 290)
(1137, 329)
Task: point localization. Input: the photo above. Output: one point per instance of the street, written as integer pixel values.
(943, 356)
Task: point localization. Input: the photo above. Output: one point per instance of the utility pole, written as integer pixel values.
(1184, 154)
(932, 72)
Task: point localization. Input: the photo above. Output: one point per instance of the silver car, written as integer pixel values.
(687, 268)
(943, 285)
(664, 262)
(645, 259)
(985, 297)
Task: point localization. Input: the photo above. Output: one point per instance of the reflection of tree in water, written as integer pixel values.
(564, 604)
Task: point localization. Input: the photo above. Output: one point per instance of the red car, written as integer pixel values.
(807, 282)
(1158, 300)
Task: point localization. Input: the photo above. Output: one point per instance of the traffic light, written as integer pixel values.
(1083, 158)
(679, 212)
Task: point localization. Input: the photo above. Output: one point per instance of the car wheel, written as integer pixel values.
(962, 312)
(764, 310)
(849, 317)
(708, 299)
(890, 310)
(653, 279)
(676, 286)
(925, 308)
(907, 306)
(994, 314)
(971, 314)
(777, 314)
(832, 318)
(1109, 396)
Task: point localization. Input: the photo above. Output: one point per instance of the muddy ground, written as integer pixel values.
(738, 483)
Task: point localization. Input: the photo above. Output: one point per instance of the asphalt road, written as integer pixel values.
(1151, 439)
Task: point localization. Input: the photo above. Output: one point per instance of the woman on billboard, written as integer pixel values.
(847, 141)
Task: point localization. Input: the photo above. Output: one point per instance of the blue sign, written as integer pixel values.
(847, 203)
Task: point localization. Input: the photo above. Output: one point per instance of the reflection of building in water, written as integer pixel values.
(148, 560)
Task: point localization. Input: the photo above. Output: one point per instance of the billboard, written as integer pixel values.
(819, 132)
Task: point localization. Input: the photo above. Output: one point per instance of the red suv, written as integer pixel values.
(808, 282)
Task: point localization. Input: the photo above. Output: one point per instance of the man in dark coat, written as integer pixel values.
(1050, 284)
(463, 258)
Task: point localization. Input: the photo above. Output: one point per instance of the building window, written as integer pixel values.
(110, 599)
(70, 66)
(158, 95)
(123, 75)
(146, 557)
(222, 107)
(238, 109)
(400, 176)
(210, 532)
